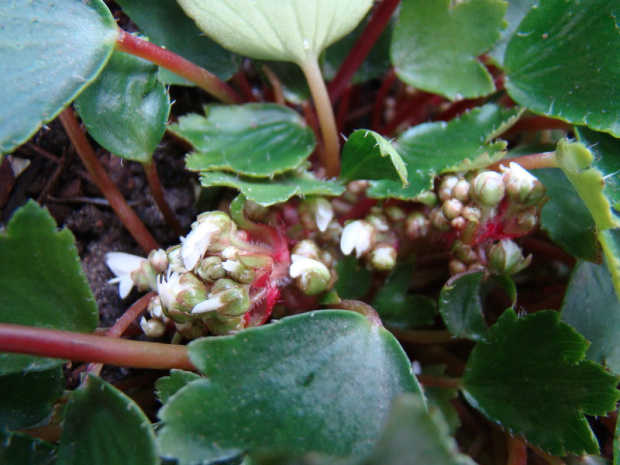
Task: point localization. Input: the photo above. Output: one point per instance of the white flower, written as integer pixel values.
(122, 264)
(168, 288)
(311, 276)
(209, 305)
(303, 265)
(196, 243)
(153, 327)
(357, 236)
(323, 212)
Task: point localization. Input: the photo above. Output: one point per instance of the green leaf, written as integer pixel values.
(168, 386)
(22, 449)
(441, 398)
(435, 45)
(262, 139)
(44, 65)
(529, 376)
(459, 145)
(321, 381)
(279, 29)
(397, 307)
(368, 155)
(167, 25)
(610, 243)
(354, 278)
(566, 218)
(126, 108)
(577, 162)
(563, 62)
(414, 435)
(617, 445)
(28, 397)
(41, 282)
(592, 307)
(460, 306)
(271, 191)
(516, 11)
(103, 426)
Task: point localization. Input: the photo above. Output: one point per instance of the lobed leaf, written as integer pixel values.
(271, 191)
(368, 155)
(259, 140)
(435, 45)
(460, 306)
(95, 408)
(563, 62)
(464, 143)
(321, 381)
(166, 24)
(529, 376)
(167, 386)
(50, 51)
(592, 307)
(126, 109)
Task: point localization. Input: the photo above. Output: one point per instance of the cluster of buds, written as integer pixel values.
(372, 239)
(480, 213)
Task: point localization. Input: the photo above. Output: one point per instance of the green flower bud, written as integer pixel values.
(456, 267)
(311, 276)
(522, 187)
(505, 257)
(461, 190)
(416, 225)
(153, 328)
(527, 219)
(471, 213)
(395, 214)
(145, 277)
(223, 326)
(383, 257)
(452, 208)
(428, 198)
(488, 188)
(179, 294)
(306, 248)
(239, 272)
(159, 260)
(210, 269)
(175, 261)
(228, 298)
(464, 252)
(439, 221)
(445, 187)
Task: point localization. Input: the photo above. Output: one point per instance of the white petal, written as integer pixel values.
(347, 240)
(166, 296)
(355, 235)
(324, 213)
(121, 263)
(231, 266)
(209, 305)
(124, 286)
(304, 264)
(196, 244)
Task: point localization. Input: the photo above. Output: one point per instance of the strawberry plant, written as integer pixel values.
(406, 242)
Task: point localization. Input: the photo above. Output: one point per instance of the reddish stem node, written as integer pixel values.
(118, 203)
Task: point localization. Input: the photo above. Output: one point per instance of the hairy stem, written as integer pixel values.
(150, 170)
(330, 158)
(379, 20)
(89, 348)
(133, 45)
(122, 324)
(128, 217)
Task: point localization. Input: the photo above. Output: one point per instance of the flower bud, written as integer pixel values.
(192, 330)
(321, 211)
(211, 231)
(521, 186)
(238, 271)
(461, 190)
(379, 222)
(527, 219)
(383, 257)
(175, 261)
(130, 270)
(488, 188)
(153, 327)
(155, 309)
(223, 326)
(394, 213)
(458, 223)
(445, 187)
(456, 267)
(179, 294)
(145, 277)
(210, 269)
(439, 221)
(471, 213)
(306, 248)
(159, 260)
(452, 208)
(227, 297)
(505, 257)
(416, 225)
(357, 235)
(311, 276)
(464, 252)
(428, 198)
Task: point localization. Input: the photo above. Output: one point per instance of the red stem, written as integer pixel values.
(122, 324)
(241, 82)
(414, 108)
(89, 348)
(529, 162)
(536, 123)
(517, 451)
(126, 214)
(133, 45)
(377, 106)
(150, 170)
(379, 20)
(457, 108)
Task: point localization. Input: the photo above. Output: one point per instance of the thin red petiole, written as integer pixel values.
(128, 217)
(150, 170)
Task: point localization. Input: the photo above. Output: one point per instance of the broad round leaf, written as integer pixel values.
(166, 24)
(321, 381)
(564, 61)
(592, 307)
(41, 282)
(281, 30)
(271, 191)
(261, 140)
(566, 218)
(460, 306)
(23, 449)
(368, 155)
(126, 108)
(49, 52)
(435, 45)
(103, 426)
(516, 11)
(529, 376)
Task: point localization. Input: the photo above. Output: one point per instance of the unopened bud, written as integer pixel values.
(211, 231)
(464, 252)
(505, 257)
(155, 309)
(488, 188)
(311, 276)
(175, 261)
(145, 277)
(221, 326)
(379, 222)
(458, 223)
(439, 221)
(428, 198)
(383, 257)
(238, 271)
(179, 294)
(445, 187)
(321, 211)
(307, 248)
(159, 260)
(527, 219)
(471, 213)
(255, 211)
(357, 235)
(416, 225)
(452, 208)
(234, 297)
(456, 267)
(394, 213)
(521, 186)
(153, 327)
(210, 269)
(461, 190)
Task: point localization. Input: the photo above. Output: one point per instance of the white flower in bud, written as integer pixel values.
(383, 257)
(175, 261)
(312, 276)
(159, 260)
(196, 243)
(521, 185)
(122, 265)
(229, 298)
(452, 208)
(461, 190)
(209, 305)
(153, 327)
(180, 293)
(306, 248)
(357, 236)
(445, 187)
(395, 213)
(238, 271)
(322, 211)
(505, 257)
